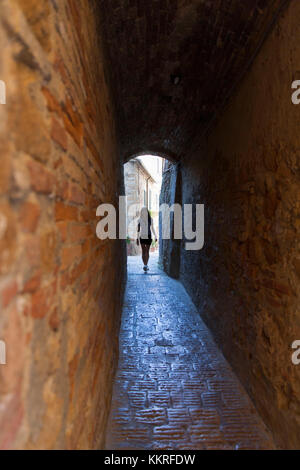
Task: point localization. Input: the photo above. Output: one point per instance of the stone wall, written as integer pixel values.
(170, 248)
(139, 184)
(135, 185)
(60, 287)
(245, 281)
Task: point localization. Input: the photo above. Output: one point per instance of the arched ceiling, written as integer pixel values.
(204, 45)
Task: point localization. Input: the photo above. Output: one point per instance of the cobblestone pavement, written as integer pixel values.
(174, 389)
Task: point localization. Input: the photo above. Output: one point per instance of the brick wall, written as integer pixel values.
(60, 287)
(246, 279)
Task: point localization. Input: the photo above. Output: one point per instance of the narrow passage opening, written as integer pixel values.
(143, 180)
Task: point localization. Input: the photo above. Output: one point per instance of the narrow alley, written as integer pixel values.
(174, 389)
(90, 90)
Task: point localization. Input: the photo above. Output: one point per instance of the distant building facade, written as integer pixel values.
(143, 176)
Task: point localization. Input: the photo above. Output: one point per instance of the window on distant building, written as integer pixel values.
(150, 199)
(145, 199)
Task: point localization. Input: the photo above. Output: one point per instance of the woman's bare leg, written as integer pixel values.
(145, 254)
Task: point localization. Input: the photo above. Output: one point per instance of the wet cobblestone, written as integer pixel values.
(173, 388)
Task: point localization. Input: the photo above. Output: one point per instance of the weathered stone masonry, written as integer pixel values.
(59, 302)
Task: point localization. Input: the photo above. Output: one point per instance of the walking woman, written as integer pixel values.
(144, 236)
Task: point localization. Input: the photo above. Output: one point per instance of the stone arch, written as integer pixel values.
(152, 151)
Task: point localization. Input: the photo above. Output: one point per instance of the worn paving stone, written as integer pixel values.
(173, 388)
